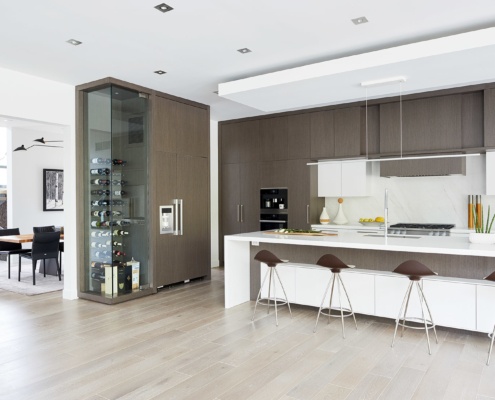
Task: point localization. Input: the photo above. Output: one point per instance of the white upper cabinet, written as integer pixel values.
(343, 179)
(490, 173)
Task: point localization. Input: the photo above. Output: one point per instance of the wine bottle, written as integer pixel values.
(98, 245)
(115, 243)
(100, 202)
(119, 232)
(117, 182)
(99, 171)
(118, 253)
(101, 192)
(100, 160)
(103, 254)
(116, 213)
(97, 234)
(119, 192)
(117, 202)
(101, 182)
(96, 264)
(122, 222)
(116, 161)
(100, 224)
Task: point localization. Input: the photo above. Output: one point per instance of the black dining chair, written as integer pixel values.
(10, 248)
(51, 228)
(45, 246)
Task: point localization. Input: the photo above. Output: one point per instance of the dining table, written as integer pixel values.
(51, 265)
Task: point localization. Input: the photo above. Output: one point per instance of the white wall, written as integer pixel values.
(214, 193)
(440, 199)
(25, 189)
(31, 98)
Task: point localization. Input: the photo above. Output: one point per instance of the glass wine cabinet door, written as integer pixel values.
(116, 192)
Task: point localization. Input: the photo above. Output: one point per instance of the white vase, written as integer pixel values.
(482, 238)
(340, 218)
(324, 217)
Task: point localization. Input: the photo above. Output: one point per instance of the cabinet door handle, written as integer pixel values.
(238, 213)
(307, 214)
(242, 212)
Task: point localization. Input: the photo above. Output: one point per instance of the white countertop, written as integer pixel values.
(456, 245)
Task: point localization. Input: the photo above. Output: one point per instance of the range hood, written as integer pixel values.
(423, 167)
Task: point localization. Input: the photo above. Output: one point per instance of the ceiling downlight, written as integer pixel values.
(359, 20)
(160, 72)
(74, 42)
(245, 50)
(163, 8)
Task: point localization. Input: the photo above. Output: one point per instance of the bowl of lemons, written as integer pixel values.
(378, 221)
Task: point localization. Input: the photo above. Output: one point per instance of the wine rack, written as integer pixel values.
(115, 266)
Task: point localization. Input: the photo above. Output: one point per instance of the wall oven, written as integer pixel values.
(270, 222)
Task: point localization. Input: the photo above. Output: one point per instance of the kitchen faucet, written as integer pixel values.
(386, 214)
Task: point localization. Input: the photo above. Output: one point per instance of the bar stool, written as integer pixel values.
(490, 277)
(335, 265)
(415, 271)
(271, 260)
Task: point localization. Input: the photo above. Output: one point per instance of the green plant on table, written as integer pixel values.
(480, 225)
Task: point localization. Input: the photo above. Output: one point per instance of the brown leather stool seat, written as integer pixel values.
(335, 265)
(271, 260)
(491, 278)
(415, 271)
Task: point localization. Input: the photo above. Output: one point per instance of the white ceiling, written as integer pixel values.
(197, 42)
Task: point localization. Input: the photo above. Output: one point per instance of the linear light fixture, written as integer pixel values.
(425, 157)
(385, 81)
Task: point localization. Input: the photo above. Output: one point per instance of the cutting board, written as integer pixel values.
(300, 233)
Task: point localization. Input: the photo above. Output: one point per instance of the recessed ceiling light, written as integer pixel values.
(359, 21)
(244, 50)
(74, 42)
(216, 92)
(163, 7)
(160, 72)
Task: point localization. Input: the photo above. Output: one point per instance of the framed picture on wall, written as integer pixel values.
(53, 190)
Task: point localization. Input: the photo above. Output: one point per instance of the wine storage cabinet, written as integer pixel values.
(115, 258)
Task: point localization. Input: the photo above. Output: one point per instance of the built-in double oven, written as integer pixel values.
(274, 209)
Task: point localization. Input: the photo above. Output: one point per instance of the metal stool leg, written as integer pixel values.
(423, 316)
(269, 290)
(272, 276)
(331, 297)
(341, 310)
(429, 312)
(408, 291)
(491, 346)
(322, 301)
(405, 314)
(259, 294)
(348, 300)
(283, 290)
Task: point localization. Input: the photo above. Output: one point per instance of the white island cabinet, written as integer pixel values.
(455, 301)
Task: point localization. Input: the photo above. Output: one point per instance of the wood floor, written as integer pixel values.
(182, 344)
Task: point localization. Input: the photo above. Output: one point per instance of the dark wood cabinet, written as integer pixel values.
(273, 138)
(185, 256)
(347, 132)
(322, 134)
(472, 120)
(489, 118)
(273, 174)
(304, 205)
(370, 130)
(240, 142)
(299, 136)
(431, 124)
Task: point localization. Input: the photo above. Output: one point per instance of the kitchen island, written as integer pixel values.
(458, 296)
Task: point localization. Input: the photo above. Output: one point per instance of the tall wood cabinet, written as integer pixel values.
(149, 148)
(181, 173)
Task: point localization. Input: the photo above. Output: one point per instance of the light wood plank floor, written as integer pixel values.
(182, 344)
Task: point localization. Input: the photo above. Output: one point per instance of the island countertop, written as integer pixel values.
(453, 245)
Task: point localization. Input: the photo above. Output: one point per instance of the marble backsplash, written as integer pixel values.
(441, 199)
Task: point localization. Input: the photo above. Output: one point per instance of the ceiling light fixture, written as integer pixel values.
(385, 81)
(163, 8)
(42, 140)
(160, 72)
(74, 42)
(21, 147)
(245, 50)
(359, 21)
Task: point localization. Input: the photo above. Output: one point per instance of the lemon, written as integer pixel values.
(379, 219)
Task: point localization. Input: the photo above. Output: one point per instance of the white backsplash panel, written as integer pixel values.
(440, 199)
